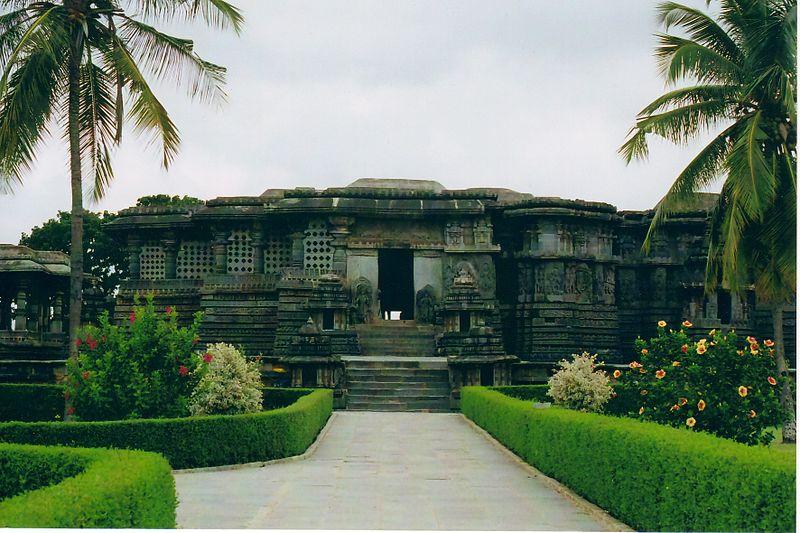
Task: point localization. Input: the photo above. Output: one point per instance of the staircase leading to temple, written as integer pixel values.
(397, 369)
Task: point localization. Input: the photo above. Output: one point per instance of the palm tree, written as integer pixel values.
(734, 75)
(80, 66)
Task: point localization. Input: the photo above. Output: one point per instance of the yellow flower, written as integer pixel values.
(641, 410)
(662, 324)
(635, 364)
(752, 414)
(644, 351)
(740, 352)
(660, 373)
(674, 408)
(682, 401)
(750, 339)
(617, 373)
(772, 381)
(769, 343)
(691, 421)
(701, 349)
(701, 405)
(676, 363)
(702, 341)
(712, 332)
(742, 391)
(753, 351)
(643, 392)
(686, 324)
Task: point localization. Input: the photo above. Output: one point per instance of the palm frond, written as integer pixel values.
(27, 105)
(36, 37)
(676, 125)
(173, 58)
(700, 28)
(97, 123)
(216, 13)
(146, 111)
(693, 95)
(752, 180)
(679, 58)
(703, 170)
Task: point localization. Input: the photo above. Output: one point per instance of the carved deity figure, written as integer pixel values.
(454, 234)
(482, 231)
(362, 301)
(426, 305)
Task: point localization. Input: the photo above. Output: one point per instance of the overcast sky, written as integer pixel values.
(531, 95)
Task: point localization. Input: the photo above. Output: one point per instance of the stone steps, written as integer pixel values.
(397, 369)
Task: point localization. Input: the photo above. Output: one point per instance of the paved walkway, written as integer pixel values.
(384, 471)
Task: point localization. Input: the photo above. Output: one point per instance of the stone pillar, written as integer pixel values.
(298, 251)
(21, 316)
(170, 244)
(220, 251)
(711, 306)
(57, 324)
(257, 243)
(297, 376)
(340, 229)
(134, 249)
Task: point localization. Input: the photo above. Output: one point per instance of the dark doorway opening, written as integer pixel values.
(396, 284)
(464, 321)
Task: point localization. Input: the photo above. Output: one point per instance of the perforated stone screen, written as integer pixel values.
(240, 253)
(151, 261)
(277, 252)
(318, 253)
(195, 260)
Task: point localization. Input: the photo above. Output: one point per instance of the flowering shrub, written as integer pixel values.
(145, 368)
(230, 385)
(721, 384)
(578, 385)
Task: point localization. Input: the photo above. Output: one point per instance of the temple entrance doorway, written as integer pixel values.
(396, 284)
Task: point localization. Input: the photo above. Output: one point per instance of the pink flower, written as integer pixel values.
(168, 309)
(70, 410)
(78, 342)
(85, 374)
(208, 358)
(91, 342)
(132, 317)
(182, 370)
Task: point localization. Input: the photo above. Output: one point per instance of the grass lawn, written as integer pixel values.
(778, 443)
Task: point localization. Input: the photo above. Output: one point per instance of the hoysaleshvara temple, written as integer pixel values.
(395, 293)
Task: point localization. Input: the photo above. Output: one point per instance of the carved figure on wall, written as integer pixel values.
(362, 301)
(454, 234)
(659, 286)
(583, 279)
(569, 280)
(540, 281)
(555, 279)
(482, 231)
(426, 305)
(610, 285)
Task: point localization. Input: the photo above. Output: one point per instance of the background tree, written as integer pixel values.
(738, 77)
(102, 257)
(80, 65)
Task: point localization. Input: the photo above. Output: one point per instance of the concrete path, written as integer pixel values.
(385, 471)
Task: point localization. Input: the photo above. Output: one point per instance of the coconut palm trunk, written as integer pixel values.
(789, 428)
(76, 183)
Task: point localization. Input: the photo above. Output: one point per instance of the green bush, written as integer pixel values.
(650, 476)
(31, 402)
(194, 441)
(718, 384)
(43, 486)
(230, 385)
(536, 393)
(277, 397)
(144, 368)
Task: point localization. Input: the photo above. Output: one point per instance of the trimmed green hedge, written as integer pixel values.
(650, 476)
(42, 486)
(31, 402)
(536, 393)
(277, 397)
(194, 441)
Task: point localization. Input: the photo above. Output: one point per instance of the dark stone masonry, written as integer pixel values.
(492, 284)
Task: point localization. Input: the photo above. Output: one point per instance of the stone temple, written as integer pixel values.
(397, 292)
